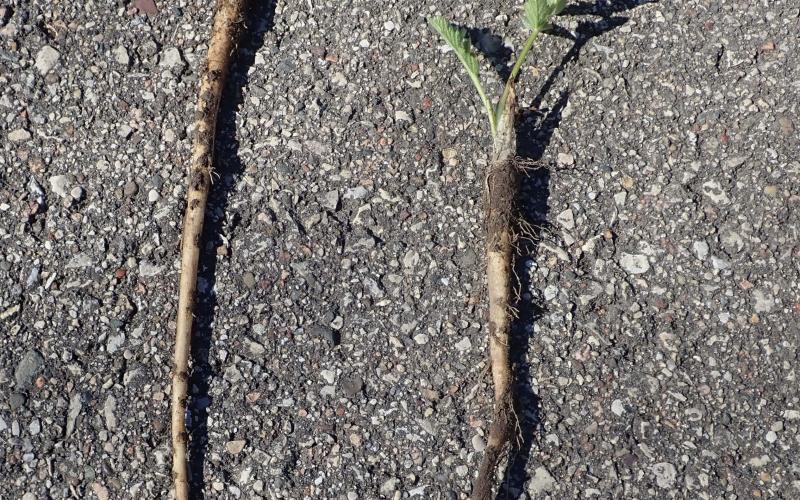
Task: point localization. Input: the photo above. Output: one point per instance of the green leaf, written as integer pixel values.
(538, 13)
(557, 6)
(458, 41)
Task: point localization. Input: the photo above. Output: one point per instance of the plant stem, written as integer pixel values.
(489, 110)
(486, 102)
(501, 106)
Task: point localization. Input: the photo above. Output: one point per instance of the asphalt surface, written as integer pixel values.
(340, 349)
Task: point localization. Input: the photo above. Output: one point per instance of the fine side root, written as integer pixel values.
(526, 165)
(221, 47)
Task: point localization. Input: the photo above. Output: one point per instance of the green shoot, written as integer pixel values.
(458, 41)
(537, 16)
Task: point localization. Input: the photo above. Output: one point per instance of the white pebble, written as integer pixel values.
(121, 55)
(478, 443)
(329, 376)
(700, 249)
(634, 263)
(59, 185)
(566, 219)
(46, 58)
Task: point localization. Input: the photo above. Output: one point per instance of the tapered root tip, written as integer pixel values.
(500, 432)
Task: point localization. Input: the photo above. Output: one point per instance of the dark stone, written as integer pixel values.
(333, 338)
(16, 401)
(28, 368)
(352, 386)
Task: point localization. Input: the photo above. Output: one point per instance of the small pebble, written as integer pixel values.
(249, 280)
(131, 188)
(121, 55)
(634, 264)
(329, 376)
(171, 58)
(19, 135)
(124, 131)
(700, 249)
(235, 447)
(46, 59)
(542, 481)
(566, 219)
(566, 159)
(665, 474)
(59, 184)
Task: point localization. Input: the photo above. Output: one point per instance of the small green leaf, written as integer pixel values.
(539, 12)
(557, 6)
(458, 41)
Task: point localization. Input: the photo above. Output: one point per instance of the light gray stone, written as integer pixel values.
(356, 193)
(121, 55)
(331, 200)
(764, 301)
(79, 261)
(566, 219)
(541, 482)
(713, 189)
(75, 405)
(109, 407)
(59, 184)
(634, 263)
(410, 259)
(171, 58)
(19, 135)
(115, 342)
(700, 249)
(565, 159)
(27, 369)
(665, 474)
(148, 269)
(46, 59)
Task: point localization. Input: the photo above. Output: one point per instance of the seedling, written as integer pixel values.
(502, 186)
